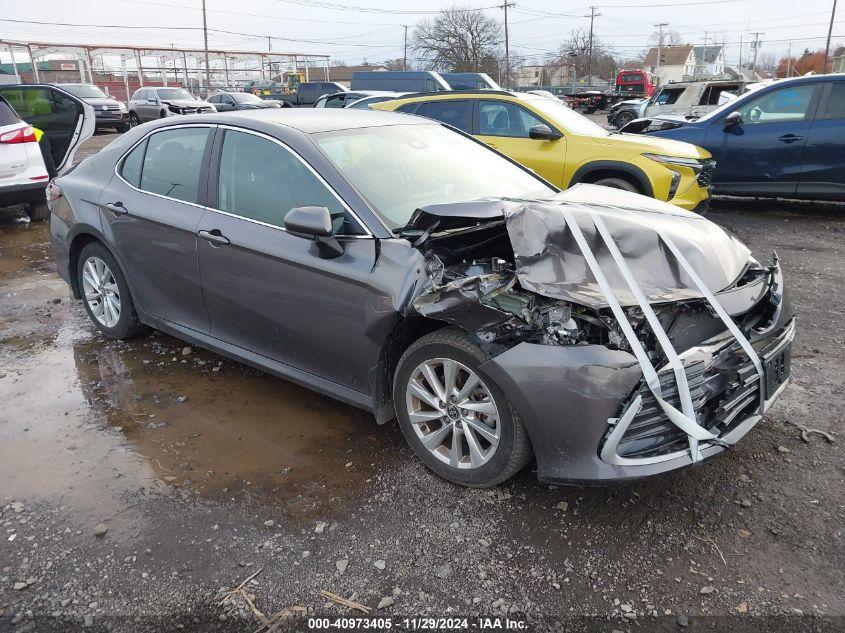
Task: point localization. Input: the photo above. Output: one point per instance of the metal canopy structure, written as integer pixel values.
(185, 66)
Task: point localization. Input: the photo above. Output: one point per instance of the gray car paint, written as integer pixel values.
(339, 315)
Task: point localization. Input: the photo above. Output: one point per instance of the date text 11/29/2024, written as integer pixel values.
(493, 623)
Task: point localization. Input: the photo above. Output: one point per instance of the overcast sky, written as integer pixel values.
(355, 30)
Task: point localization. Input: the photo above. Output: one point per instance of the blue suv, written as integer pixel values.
(786, 139)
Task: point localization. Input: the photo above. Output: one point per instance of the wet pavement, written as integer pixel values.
(205, 471)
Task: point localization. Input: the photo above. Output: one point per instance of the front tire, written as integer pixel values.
(618, 183)
(454, 416)
(105, 293)
(623, 119)
(134, 121)
(121, 128)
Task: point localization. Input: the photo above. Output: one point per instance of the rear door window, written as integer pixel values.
(173, 162)
(131, 167)
(834, 106)
(457, 113)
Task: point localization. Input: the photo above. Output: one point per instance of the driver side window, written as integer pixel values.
(778, 106)
(261, 180)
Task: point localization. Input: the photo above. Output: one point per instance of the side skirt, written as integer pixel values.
(280, 370)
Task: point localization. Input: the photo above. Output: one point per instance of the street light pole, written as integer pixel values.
(405, 55)
(205, 40)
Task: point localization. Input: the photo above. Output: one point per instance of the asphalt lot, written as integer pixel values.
(206, 473)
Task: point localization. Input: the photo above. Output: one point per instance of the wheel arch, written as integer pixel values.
(85, 235)
(407, 331)
(599, 169)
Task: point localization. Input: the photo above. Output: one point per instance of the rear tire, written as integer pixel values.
(101, 282)
(123, 127)
(38, 211)
(618, 183)
(481, 462)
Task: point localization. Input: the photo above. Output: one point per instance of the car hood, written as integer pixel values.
(186, 103)
(98, 102)
(649, 144)
(549, 261)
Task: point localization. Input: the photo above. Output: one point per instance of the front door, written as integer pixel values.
(504, 126)
(270, 292)
(151, 212)
(764, 153)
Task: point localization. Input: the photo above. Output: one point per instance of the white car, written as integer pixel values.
(26, 166)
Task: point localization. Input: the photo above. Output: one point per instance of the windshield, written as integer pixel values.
(401, 168)
(562, 116)
(85, 91)
(245, 97)
(174, 93)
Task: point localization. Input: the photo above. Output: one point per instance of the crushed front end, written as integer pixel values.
(631, 339)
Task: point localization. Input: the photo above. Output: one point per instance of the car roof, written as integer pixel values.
(310, 120)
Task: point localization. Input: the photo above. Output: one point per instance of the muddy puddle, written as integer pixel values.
(92, 424)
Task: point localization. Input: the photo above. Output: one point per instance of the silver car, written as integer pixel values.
(405, 268)
(149, 104)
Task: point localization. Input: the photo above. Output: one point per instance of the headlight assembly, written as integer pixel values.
(692, 163)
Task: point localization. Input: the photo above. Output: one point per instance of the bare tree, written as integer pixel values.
(767, 62)
(459, 39)
(575, 51)
(667, 37)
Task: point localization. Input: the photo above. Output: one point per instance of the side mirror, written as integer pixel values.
(543, 133)
(315, 222)
(733, 120)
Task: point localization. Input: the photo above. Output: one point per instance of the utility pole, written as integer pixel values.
(789, 61)
(405, 55)
(593, 16)
(659, 45)
(269, 44)
(740, 54)
(705, 55)
(205, 41)
(829, 33)
(756, 46)
(507, 81)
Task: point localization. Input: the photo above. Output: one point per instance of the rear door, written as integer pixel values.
(505, 125)
(66, 120)
(765, 153)
(151, 211)
(823, 173)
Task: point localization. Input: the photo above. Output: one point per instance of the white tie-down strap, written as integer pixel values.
(683, 420)
(720, 311)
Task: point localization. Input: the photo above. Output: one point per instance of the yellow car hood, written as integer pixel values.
(654, 144)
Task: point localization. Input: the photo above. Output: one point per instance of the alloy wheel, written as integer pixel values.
(101, 292)
(453, 413)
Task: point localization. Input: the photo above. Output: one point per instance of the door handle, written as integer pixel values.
(790, 138)
(214, 237)
(116, 208)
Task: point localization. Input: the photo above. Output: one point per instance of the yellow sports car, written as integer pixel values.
(565, 147)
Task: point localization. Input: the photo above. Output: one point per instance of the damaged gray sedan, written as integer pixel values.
(405, 268)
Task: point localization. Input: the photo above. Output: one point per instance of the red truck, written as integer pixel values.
(635, 83)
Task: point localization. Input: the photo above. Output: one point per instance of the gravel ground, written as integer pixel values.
(142, 482)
